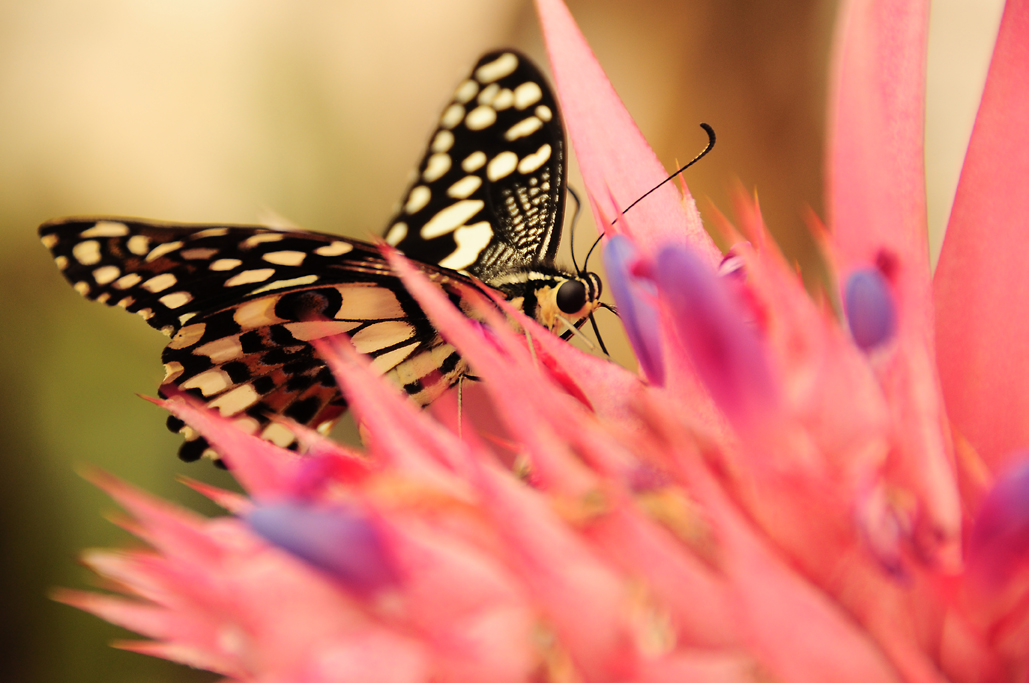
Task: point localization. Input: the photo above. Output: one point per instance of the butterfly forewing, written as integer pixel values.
(489, 195)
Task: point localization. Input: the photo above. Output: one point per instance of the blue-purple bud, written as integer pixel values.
(871, 312)
(340, 541)
(635, 298)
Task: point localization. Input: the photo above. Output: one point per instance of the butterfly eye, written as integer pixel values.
(571, 296)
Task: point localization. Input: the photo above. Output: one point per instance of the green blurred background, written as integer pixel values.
(225, 110)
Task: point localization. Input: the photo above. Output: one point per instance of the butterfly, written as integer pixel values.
(238, 302)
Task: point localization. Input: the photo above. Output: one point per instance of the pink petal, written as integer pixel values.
(793, 628)
(982, 282)
(617, 164)
(878, 217)
(262, 468)
(583, 598)
(876, 169)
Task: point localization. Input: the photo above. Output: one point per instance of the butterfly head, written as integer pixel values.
(559, 299)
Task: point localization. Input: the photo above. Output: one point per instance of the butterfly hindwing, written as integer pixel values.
(489, 195)
(241, 304)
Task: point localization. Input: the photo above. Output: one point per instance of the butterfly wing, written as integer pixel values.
(489, 196)
(238, 301)
(241, 304)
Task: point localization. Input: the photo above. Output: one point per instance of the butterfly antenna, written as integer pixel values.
(610, 308)
(590, 252)
(710, 143)
(571, 229)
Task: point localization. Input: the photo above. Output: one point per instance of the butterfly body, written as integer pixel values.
(241, 303)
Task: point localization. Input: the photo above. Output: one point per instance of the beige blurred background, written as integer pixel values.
(219, 110)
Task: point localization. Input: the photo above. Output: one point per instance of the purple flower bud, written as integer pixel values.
(635, 299)
(724, 350)
(339, 541)
(871, 312)
(1000, 536)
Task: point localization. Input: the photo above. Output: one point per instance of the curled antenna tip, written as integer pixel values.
(710, 143)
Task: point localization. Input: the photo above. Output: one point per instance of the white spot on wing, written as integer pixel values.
(464, 187)
(396, 234)
(451, 218)
(209, 383)
(211, 232)
(526, 126)
(335, 249)
(87, 253)
(107, 229)
(471, 240)
(162, 249)
(503, 100)
(488, 94)
(187, 336)
(249, 277)
(262, 237)
(502, 66)
(105, 274)
(527, 94)
(225, 264)
(81, 287)
(306, 331)
(235, 401)
(128, 280)
(138, 244)
(543, 111)
(381, 335)
(285, 258)
(176, 299)
(452, 116)
(501, 165)
(159, 283)
(49, 241)
(172, 371)
(247, 424)
(221, 350)
(367, 303)
(480, 117)
(390, 360)
(419, 197)
(473, 162)
(443, 141)
(278, 434)
(294, 282)
(437, 165)
(61, 261)
(257, 313)
(534, 160)
(466, 91)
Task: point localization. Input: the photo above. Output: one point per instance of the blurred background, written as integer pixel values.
(224, 110)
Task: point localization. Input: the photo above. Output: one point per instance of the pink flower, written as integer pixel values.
(781, 497)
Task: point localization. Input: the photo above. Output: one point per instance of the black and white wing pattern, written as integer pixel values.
(489, 195)
(239, 303)
(242, 303)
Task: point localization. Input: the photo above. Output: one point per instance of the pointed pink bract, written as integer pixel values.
(982, 282)
(617, 163)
